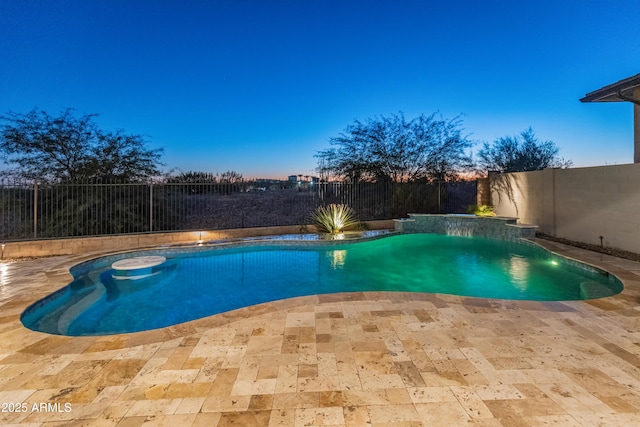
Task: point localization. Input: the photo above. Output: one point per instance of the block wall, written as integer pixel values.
(579, 204)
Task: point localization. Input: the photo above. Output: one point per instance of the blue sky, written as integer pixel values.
(260, 86)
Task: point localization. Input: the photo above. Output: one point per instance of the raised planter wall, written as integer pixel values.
(36, 248)
(505, 228)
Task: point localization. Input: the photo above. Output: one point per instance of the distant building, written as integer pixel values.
(263, 184)
(303, 181)
(303, 178)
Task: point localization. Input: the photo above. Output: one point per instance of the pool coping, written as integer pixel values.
(216, 320)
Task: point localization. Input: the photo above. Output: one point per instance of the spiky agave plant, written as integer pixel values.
(333, 218)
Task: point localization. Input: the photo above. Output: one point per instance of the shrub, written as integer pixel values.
(482, 210)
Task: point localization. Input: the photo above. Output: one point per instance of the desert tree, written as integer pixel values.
(397, 150)
(66, 148)
(193, 177)
(521, 154)
(230, 177)
(73, 150)
(347, 158)
(442, 148)
(122, 158)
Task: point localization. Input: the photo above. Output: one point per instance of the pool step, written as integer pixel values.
(72, 313)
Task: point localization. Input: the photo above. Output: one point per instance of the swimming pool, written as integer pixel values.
(199, 282)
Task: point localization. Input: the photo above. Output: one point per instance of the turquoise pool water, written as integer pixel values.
(198, 283)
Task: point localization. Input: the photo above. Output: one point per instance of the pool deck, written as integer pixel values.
(353, 359)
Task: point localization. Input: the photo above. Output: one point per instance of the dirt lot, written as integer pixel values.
(253, 209)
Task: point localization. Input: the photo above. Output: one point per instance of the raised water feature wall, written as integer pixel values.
(505, 228)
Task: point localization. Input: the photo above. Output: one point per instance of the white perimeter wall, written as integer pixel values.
(580, 204)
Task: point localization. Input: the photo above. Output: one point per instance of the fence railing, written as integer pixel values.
(38, 211)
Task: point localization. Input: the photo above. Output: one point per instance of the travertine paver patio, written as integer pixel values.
(379, 359)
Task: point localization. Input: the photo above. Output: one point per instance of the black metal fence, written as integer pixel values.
(37, 211)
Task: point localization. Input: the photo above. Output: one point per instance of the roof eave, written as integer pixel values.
(616, 92)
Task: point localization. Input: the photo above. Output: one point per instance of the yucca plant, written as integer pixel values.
(333, 218)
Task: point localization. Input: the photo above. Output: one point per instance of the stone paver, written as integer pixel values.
(377, 359)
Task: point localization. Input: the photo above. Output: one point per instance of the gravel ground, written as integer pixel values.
(596, 248)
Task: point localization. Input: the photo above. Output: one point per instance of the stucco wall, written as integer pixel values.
(579, 204)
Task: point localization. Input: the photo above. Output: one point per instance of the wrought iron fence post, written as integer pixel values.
(150, 206)
(35, 209)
